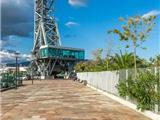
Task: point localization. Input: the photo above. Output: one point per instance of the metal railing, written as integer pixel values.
(10, 80)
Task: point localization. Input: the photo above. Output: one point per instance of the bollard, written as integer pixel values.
(85, 82)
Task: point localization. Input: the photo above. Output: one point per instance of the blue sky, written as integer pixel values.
(85, 25)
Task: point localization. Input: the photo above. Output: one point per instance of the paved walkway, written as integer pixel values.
(62, 100)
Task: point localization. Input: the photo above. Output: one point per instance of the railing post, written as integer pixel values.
(158, 84)
(156, 90)
(127, 97)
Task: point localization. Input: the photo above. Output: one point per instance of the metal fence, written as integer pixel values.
(108, 80)
(10, 80)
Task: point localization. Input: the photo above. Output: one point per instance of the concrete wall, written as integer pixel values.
(106, 81)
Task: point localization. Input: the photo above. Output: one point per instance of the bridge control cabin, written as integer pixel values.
(53, 60)
(62, 53)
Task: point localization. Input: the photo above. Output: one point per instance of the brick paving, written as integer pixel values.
(61, 100)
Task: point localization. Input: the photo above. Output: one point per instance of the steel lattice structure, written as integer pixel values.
(45, 27)
(49, 57)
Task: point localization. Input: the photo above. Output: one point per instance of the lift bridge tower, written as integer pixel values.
(48, 56)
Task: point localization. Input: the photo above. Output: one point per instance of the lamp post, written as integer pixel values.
(16, 56)
(31, 73)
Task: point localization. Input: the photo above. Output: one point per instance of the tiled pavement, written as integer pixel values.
(61, 100)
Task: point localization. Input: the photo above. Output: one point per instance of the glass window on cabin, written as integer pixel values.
(76, 54)
(59, 53)
(66, 53)
(56, 52)
(52, 52)
(42, 53)
(81, 55)
(73, 54)
(49, 52)
(45, 52)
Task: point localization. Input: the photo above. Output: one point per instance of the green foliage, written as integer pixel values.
(136, 30)
(155, 61)
(142, 90)
(122, 88)
(122, 61)
(115, 62)
(90, 66)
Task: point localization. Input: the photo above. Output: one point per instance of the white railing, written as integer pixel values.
(108, 80)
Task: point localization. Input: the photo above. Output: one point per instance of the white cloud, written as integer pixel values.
(71, 24)
(17, 3)
(78, 3)
(151, 13)
(8, 56)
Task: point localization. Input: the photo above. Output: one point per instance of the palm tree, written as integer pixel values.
(123, 61)
(158, 60)
(155, 61)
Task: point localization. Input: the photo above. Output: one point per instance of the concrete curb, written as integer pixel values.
(148, 114)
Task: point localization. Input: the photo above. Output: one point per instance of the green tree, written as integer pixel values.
(80, 67)
(155, 61)
(136, 30)
(123, 61)
(97, 54)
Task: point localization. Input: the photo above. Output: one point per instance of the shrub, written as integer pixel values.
(142, 90)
